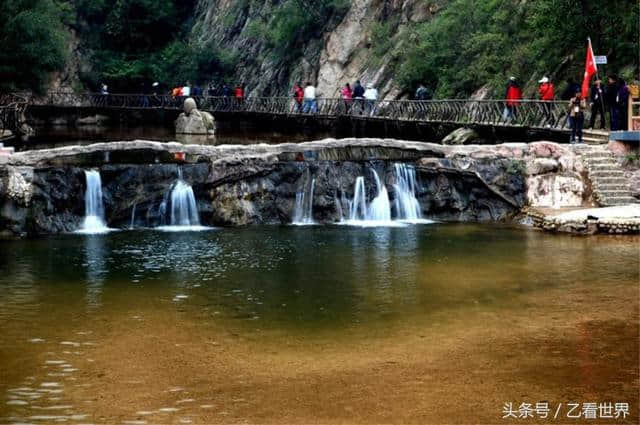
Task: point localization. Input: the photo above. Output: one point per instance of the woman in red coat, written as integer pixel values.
(513, 97)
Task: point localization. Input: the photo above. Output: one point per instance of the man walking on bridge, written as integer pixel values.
(546, 91)
(310, 102)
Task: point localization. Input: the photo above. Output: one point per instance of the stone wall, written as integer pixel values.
(43, 191)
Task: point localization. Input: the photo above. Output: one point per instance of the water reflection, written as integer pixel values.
(95, 266)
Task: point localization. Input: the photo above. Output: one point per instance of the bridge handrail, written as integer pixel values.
(524, 113)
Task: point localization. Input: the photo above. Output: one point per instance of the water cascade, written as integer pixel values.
(407, 206)
(378, 212)
(93, 206)
(133, 216)
(303, 210)
(179, 211)
(183, 205)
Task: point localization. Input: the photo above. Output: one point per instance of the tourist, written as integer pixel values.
(197, 90)
(310, 101)
(423, 93)
(358, 91)
(577, 105)
(623, 104)
(370, 96)
(186, 90)
(611, 94)
(513, 97)
(226, 91)
(238, 92)
(347, 96)
(104, 89)
(298, 95)
(597, 98)
(546, 92)
(211, 91)
(571, 89)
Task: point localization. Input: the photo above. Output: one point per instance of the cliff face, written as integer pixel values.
(347, 47)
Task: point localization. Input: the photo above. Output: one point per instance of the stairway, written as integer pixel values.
(610, 186)
(595, 137)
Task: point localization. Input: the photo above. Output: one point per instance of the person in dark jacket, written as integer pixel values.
(571, 89)
(226, 91)
(423, 93)
(611, 101)
(623, 104)
(358, 91)
(596, 101)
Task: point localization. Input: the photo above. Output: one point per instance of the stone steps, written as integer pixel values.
(610, 186)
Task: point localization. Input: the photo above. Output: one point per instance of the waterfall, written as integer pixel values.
(407, 206)
(183, 205)
(378, 212)
(93, 206)
(133, 216)
(303, 210)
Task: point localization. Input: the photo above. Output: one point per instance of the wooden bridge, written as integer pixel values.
(547, 116)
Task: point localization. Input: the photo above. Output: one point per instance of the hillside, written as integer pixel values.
(458, 48)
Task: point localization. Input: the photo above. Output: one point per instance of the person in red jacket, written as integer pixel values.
(298, 95)
(238, 92)
(546, 91)
(513, 97)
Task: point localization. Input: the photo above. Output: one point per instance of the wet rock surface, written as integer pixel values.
(43, 191)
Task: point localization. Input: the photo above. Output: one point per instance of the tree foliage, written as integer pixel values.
(476, 42)
(32, 42)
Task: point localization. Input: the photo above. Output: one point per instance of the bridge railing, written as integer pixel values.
(523, 113)
(12, 107)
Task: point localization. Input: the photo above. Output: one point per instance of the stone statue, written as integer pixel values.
(194, 121)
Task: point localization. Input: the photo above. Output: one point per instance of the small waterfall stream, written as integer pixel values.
(303, 210)
(94, 221)
(406, 203)
(378, 211)
(179, 209)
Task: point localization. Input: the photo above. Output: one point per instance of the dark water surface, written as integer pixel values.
(70, 303)
(58, 136)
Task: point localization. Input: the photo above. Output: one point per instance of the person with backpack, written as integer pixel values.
(577, 105)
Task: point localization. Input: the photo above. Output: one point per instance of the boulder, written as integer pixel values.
(194, 121)
(461, 136)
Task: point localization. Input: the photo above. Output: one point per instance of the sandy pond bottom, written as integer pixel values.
(323, 324)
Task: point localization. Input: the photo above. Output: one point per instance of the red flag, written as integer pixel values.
(589, 69)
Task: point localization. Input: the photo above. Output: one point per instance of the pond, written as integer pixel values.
(59, 136)
(421, 323)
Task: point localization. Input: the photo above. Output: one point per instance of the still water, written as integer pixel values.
(426, 323)
(59, 136)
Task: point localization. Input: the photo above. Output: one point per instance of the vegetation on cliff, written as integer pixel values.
(32, 42)
(461, 46)
(476, 42)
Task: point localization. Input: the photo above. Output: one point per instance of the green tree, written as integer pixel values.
(33, 43)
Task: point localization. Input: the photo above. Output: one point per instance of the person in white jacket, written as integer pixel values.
(310, 104)
(370, 98)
